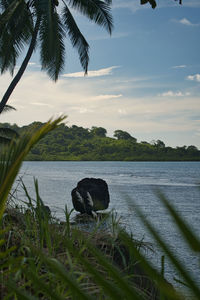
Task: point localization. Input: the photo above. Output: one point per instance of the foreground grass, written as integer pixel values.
(43, 259)
(52, 260)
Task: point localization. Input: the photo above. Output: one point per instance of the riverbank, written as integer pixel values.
(82, 144)
(72, 261)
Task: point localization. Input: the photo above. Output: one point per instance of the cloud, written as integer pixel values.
(173, 94)
(37, 98)
(195, 77)
(115, 35)
(135, 5)
(106, 97)
(41, 104)
(81, 110)
(127, 4)
(122, 111)
(192, 3)
(179, 67)
(31, 63)
(94, 73)
(186, 22)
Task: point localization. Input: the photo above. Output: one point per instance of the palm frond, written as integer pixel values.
(15, 32)
(52, 45)
(188, 234)
(13, 155)
(4, 140)
(188, 279)
(8, 8)
(8, 108)
(8, 132)
(96, 10)
(77, 39)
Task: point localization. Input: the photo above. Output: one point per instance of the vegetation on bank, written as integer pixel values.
(78, 143)
(42, 258)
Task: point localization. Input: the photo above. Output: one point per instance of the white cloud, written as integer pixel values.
(122, 111)
(94, 73)
(115, 35)
(85, 110)
(179, 67)
(37, 98)
(128, 4)
(192, 3)
(41, 104)
(135, 5)
(106, 97)
(31, 63)
(174, 94)
(185, 21)
(195, 77)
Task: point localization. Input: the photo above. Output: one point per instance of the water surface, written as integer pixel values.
(130, 182)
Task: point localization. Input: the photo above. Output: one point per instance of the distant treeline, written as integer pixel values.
(78, 143)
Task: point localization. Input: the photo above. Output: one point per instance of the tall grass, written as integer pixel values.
(42, 258)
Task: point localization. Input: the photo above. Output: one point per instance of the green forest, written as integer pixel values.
(78, 143)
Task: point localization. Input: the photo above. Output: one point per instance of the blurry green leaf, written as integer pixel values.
(22, 295)
(43, 286)
(178, 265)
(13, 156)
(59, 270)
(191, 239)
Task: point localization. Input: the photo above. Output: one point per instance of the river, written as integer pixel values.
(130, 182)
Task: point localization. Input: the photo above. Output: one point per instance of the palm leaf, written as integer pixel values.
(42, 286)
(62, 274)
(77, 39)
(8, 132)
(4, 140)
(151, 271)
(117, 286)
(175, 261)
(16, 29)
(96, 10)
(191, 239)
(8, 8)
(20, 294)
(8, 108)
(52, 44)
(13, 156)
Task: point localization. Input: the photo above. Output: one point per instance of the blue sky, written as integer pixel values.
(144, 79)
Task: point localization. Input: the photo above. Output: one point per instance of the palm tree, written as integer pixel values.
(44, 24)
(7, 134)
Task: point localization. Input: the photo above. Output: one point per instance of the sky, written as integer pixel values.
(144, 78)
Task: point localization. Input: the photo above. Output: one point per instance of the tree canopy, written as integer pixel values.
(123, 135)
(98, 131)
(153, 3)
(78, 143)
(44, 24)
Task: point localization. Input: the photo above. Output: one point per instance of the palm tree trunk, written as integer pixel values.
(21, 70)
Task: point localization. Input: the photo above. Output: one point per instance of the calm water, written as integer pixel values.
(136, 181)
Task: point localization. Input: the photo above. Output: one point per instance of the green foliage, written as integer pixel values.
(123, 135)
(78, 143)
(12, 156)
(153, 3)
(42, 258)
(98, 131)
(6, 133)
(18, 21)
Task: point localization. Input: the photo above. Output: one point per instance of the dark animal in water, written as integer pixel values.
(90, 195)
